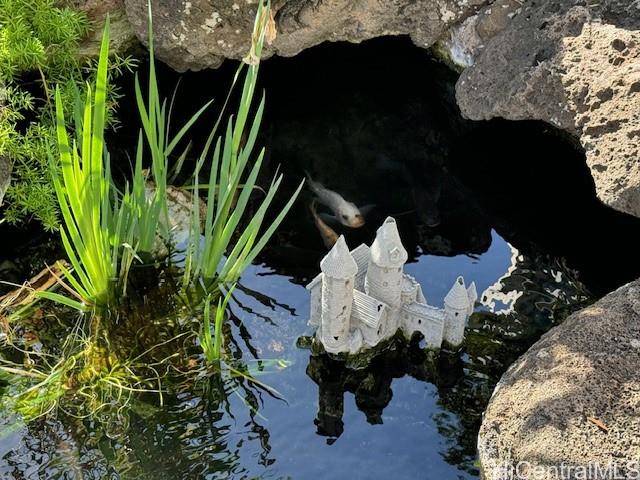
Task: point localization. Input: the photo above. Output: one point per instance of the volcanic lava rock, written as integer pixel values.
(574, 66)
(573, 399)
(197, 34)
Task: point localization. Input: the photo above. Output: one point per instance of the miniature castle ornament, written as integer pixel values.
(363, 297)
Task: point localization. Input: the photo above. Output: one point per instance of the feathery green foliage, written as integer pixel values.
(35, 36)
(38, 48)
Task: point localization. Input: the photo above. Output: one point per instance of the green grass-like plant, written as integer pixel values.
(211, 344)
(151, 198)
(227, 246)
(97, 231)
(85, 379)
(103, 228)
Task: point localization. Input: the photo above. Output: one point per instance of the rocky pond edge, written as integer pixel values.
(572, 401)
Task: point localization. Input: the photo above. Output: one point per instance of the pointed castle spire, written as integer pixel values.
(387, 250)
(339, 263)
(457, 298)
(472, 295)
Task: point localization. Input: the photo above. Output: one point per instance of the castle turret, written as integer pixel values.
(338, 271)
(457, 310)
(384, 273)
(472, 295)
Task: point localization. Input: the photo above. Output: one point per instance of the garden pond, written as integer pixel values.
(509, 205)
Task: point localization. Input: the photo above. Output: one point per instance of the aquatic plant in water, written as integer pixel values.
(97, 231)
(212, 344)
(105, 227)
(87, 377)
(227, 247)
(150, 192)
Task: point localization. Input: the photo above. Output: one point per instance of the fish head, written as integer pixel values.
(350, 215)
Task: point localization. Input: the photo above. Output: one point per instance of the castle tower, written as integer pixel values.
(338, 271)
(457, 310)
(472, 295)
(384, 273)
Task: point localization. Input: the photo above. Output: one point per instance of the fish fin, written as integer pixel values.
(313, 185)
(329, 242)
(329, 219)
(313, 207)
(367, 209)
(400, 214)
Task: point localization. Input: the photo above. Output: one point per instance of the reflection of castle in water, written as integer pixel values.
(371, 386)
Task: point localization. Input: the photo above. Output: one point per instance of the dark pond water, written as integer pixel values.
(510, 206)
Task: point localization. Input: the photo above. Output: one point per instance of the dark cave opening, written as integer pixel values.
(378, 122)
